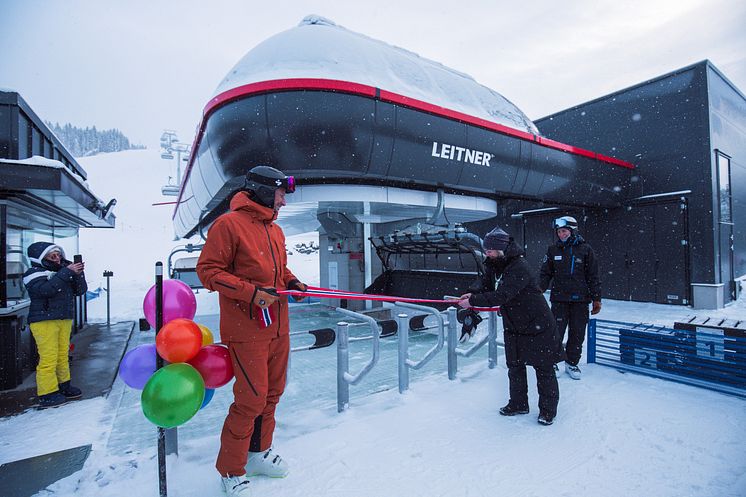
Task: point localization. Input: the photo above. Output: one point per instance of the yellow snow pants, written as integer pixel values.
(53, 341)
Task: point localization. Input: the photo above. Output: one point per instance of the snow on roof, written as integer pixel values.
(38, 160)
(319, 48)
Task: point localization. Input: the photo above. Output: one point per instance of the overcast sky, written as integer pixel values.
(145, 65)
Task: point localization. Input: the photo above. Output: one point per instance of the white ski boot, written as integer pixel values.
(266, 463)
(572, 371)
(236, 486)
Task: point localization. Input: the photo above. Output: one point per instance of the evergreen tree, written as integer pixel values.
(90, 141)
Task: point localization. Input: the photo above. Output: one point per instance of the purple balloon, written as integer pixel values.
(178, 302)
(138, 365)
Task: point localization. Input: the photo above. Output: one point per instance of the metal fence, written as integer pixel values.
(446, 330)
(706, 357)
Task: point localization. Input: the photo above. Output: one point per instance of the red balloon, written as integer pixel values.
(179, 340)
(214, 364)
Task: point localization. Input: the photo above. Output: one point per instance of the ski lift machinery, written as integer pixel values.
(430, 262)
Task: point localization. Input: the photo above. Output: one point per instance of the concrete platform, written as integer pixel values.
(27, 477)
(95, 361)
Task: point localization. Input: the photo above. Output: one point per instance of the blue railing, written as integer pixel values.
(705, 357)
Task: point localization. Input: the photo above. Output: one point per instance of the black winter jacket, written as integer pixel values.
(52, 289)
(572, 269)
(529, 326)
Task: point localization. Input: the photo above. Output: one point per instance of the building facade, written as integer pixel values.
(43, 197)
(680, 237)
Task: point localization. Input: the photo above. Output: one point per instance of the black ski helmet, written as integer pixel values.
(264, 180)
(568, 222)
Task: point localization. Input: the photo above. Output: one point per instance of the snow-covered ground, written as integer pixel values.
(615, 434)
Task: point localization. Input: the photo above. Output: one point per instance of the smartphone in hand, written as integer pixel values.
(77, 258)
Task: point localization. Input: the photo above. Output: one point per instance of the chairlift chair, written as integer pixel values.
(440, 261)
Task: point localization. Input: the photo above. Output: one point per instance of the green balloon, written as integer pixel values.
(173, 395)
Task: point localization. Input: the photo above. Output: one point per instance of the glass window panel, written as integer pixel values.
(23, 229)
(723, 164)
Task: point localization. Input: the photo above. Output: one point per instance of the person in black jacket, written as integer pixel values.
(529, 328)
(53, 283)
(572, 268)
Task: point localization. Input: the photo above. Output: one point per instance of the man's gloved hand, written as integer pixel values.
(465, 335)
(265, 297)
(596, 307)
(463, 301)
(470, 320)
(297, 285)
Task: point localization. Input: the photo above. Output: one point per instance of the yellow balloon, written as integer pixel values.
(207, 338)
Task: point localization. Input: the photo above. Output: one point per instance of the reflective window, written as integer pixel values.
(724, 192)
(22, 228)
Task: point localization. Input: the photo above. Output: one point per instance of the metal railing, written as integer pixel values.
(702, 357)
(405, 363)
(344, 377)
(454, 351)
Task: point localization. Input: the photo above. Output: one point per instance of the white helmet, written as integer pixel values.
(568, 222)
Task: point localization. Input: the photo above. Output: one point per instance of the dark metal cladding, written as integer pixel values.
(339, 138)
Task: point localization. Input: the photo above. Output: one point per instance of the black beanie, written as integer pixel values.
(496, 239)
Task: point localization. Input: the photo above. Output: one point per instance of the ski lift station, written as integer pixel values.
(393, 153)
(43, 197)
(402, 165)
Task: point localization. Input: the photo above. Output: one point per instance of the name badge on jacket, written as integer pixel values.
(557, 257)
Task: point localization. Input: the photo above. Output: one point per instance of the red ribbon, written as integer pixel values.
(330, 293)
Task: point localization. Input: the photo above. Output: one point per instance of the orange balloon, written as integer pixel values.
(179, 340)
(207, 338)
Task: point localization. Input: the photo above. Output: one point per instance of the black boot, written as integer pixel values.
(70, 392)
(53, 399)
(545, 418)
(512, 409)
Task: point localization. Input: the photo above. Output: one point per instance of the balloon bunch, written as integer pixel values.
(173, 394)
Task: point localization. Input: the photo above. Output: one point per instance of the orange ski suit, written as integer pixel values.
(245, 250)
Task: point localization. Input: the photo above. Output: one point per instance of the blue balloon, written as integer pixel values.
(209, 392)
(138, 365)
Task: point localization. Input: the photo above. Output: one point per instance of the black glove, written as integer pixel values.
(265, 297)
(297, 285)
(469, 320)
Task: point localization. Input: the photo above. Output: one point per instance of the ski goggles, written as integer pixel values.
(564, 223)
(288, 182)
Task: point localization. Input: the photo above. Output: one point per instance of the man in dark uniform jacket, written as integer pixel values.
(529, 329)
(571, 267)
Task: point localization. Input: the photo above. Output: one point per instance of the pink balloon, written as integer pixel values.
(214, 364)
(178, 302)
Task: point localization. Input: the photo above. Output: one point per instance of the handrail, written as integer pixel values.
(454, 351)
(441, 333)
(344, 378)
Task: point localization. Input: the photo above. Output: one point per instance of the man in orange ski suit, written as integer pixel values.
(244, 260)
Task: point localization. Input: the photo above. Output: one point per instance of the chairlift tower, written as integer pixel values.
(169, 144)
